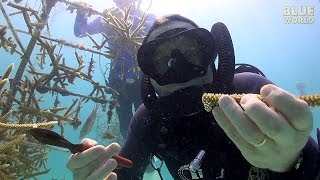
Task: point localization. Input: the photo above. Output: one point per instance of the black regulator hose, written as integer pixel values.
(148, 93)
(226, 61)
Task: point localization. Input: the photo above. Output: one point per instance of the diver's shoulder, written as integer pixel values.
(249, 76)
(139, 118)
(140, 114)
(248, 82)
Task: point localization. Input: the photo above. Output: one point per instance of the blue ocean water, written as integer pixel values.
(286, 53)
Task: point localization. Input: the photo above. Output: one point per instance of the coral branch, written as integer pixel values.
(210, 100)
(3, 156)
(70, 44)
(28, 126)
(5, 117)
(37, 174)
(8, 71)
(12, 29)
(10, 144)
(3, 82)
(25, 59)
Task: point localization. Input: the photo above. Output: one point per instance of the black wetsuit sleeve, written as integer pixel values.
(135, 148)
(310, 164)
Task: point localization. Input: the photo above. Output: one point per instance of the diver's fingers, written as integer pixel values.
(104, 170)
(112, 149)
(238, 118)
(98, 163)
(88, 142)
(228, 128)
(84, 172)
(111, 176)
(271, 123)
(296, 111)
(82, 159)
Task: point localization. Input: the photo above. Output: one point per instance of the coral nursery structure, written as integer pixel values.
(43, 72)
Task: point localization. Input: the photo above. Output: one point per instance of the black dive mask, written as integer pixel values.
(180, 69)
(190, 55)
(183, 102)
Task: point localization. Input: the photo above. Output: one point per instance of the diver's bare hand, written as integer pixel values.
(285, 123)
(94, 163)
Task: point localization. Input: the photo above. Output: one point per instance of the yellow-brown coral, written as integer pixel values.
(8, 71)
(27, 126)
(210, 100)
(3, 82)
(8, 145)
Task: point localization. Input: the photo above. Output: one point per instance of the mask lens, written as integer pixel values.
(173, 54)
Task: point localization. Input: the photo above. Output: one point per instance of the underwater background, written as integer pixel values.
(287, 53)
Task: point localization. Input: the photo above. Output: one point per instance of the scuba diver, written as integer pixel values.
(248, 140)
(121, 77)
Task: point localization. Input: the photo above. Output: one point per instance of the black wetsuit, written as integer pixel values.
(191, 134)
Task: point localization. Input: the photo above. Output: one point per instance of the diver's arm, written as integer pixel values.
(82, 26)
(135, 148)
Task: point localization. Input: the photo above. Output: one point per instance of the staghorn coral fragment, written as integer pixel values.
(3, 82)
(3, 166)
(10, 26)
(46, 113)
(313, 100)
(8, 71)
(210, 100)
(8, 145)
(3, 156)
(5, 117)
(37, 173)
(27, 126)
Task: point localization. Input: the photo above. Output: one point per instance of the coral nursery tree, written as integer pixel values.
(22, 96)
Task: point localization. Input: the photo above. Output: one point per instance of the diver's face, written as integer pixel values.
(169, 89)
